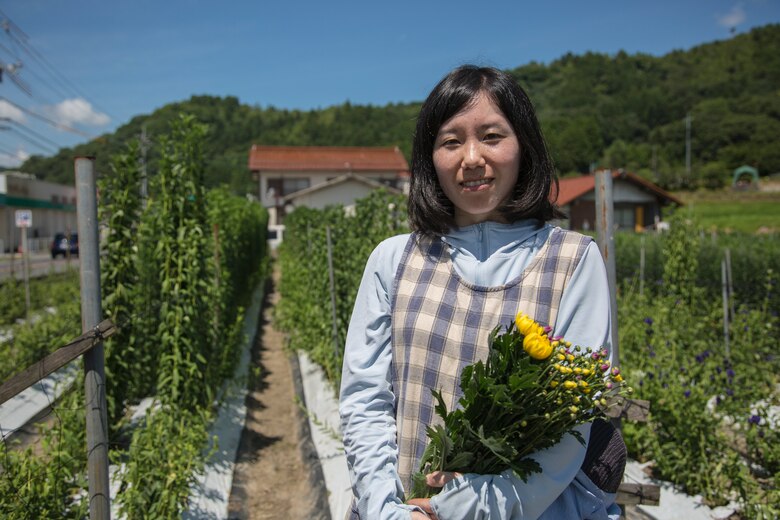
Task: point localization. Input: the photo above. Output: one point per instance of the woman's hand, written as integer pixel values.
(436, 479)
(425, 505)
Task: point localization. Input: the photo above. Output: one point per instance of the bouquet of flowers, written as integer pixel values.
(530, 392)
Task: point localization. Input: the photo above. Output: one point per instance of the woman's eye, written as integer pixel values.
(449, 142)
(492, 137)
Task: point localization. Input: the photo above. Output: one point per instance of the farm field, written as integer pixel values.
(712, 430)
(714, 388)
(736, 211)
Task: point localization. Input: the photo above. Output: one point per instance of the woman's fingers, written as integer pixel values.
(425, 505)
(439, 478)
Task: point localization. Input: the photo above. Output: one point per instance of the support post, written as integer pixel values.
(724, 277)
(26, 270)
(606, 241)
(335, 330)
(94, 369)
(730, 281)
(642, 266)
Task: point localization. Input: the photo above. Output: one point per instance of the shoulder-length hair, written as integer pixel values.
(430, 211)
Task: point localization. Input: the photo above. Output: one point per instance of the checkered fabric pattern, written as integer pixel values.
(441, 324)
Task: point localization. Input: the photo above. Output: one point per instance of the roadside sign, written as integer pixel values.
(23, 218)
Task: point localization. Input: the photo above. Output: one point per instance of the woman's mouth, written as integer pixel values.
(476, 184)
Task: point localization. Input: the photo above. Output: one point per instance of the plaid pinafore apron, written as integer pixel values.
(441, 323)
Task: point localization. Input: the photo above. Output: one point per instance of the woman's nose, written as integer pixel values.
(472, 156)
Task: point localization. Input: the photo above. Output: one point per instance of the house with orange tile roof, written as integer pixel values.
(315, 176)
(637, 202)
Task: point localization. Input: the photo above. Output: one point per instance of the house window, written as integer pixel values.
(284, 187)
(624, 217)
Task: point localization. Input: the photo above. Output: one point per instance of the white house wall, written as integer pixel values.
(623, 191)
(345, 193)
(315, 178)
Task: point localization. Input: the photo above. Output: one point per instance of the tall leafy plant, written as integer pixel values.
(120, 210)
(183, 259)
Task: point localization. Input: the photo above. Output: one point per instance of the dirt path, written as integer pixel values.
(271, 479)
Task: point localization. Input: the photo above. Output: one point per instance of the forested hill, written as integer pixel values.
(620, 111)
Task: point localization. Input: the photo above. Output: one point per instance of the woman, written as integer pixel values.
(480, 252)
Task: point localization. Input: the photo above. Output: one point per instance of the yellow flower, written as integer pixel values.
(573, 409)
(537, 346)
(570, 357)
(618, 378)
(525, 324)
(583, 384)
(569, 384)
(560, 357)
(577, 370)
(553, 383)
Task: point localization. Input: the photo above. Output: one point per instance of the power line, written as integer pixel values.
(30, 130)
(8, 152)
(18, 36)
(45, 119)
(29, 139)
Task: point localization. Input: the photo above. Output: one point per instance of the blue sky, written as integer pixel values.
(92, 65)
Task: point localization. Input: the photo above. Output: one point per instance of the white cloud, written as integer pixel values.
(13, 160)
(733, 18)
(11, 112)
(78, 110)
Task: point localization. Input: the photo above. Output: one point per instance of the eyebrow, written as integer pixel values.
(492, 124)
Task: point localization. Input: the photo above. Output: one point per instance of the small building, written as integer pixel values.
(53, 208)
(343, 190)
(321, 175)
(638, 203)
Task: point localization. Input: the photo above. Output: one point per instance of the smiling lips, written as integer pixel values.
(476, 184)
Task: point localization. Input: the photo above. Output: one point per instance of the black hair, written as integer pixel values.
(430, 211)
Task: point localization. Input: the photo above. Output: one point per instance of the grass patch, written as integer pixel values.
(733, 211)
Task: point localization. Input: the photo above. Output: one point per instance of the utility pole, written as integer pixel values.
(144, 141)
(655, 163)
(688, 120)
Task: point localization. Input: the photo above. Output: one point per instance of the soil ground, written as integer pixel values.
(271, 479)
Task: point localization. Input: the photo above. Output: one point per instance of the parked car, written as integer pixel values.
(61, 245)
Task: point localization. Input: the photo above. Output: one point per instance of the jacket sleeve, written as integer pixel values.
(584, 319)
(367, 402)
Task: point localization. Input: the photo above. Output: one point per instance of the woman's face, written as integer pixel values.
(477, 159)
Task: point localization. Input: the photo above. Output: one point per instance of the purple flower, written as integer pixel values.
(718, 400)
(754, 419)
(730, 373)
(700, 358)
(718, 369)
(595, 355)
(649, 320)
(729, 392)
(687, 393)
